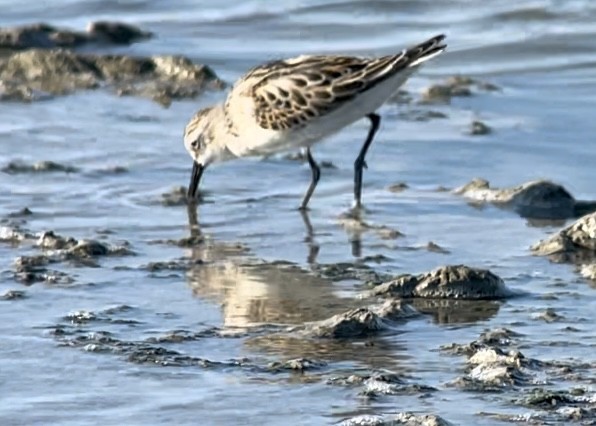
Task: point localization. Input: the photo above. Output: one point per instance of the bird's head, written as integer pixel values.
(199, 142)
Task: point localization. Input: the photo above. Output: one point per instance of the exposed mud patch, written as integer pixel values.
(45, 36)
(495, 365)
(15, 167)
(435, 248)
(30, 270)
(357, 323)
(455, 86)
(406, 419)
(540, 199)
(24, 212)
(422, 115)
(13, 295)
(448, 282)
(80, 330)
(575, 244)
(381, 383)
(59, 72)
(56, 249)
(398, 187)
(298, 364)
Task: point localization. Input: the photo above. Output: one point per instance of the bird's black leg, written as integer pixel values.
(360, 162)
(316, 174)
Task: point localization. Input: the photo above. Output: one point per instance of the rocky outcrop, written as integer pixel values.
(447, 282)
(359, 322)
(540, 199)
(575, 244)
(39, 73)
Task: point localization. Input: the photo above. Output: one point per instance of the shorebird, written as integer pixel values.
(295, 103)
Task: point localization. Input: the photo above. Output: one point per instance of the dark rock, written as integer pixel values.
(24, 212)
(117, 33)
(398, 187)
(576, 243)
(435, 248)
(13, 295)
(547, 399)
(455, 86)
(478, 128)
(49, 240)
(457, 282)
(496, 338)
(45, 36)
(549, 315)
(71, 248)
(539, 199)
(32, 269)
(15, 167)
(88, 248)
(359, 322)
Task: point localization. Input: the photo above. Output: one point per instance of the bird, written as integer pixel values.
(295, 103)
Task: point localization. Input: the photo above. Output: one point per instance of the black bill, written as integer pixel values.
(195, 178)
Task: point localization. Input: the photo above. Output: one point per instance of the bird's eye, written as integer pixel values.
(198, 144)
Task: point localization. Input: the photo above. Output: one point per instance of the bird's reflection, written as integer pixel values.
(313, 247)
(193, 219)
(356, 226)
(265, 297)
(354, 234)
(254, 292)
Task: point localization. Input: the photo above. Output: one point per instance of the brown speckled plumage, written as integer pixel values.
(290, 93)
(294, 103)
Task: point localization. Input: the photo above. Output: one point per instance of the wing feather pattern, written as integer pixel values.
(287, 94)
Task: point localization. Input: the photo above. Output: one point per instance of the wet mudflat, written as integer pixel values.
(464, 294)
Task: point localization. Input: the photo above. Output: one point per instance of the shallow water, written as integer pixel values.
(541, 54)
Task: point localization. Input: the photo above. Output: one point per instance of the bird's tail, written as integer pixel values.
(404, 63)
(422, 52)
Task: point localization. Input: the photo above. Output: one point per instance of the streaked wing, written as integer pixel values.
(294, 91)
(287, 94)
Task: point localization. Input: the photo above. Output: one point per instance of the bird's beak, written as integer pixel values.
(195, 178)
